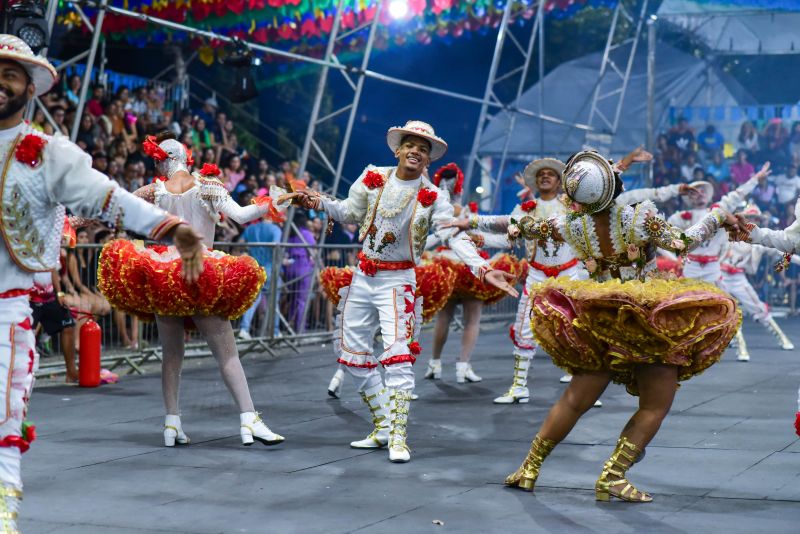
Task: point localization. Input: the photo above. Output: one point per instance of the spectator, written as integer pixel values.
(100, 161)
(717, 168)
(776, 143)
(201, 137)
(50, 313)
(681, 137)
(59, 114)
(123, 96)
(748, 138)
(87, 133)
(794, 143)
(73, 93)
(788, 187)
(133, 178)
(298, 272)
(710, 141)
(263, 231)
(209, 110)
(219, 125)
(209, 156)
(689, 167)
(39, 122)
(139, 103)
(764, 194)
(229, 140)
(96, 104)
(233, 173)
(742, 170)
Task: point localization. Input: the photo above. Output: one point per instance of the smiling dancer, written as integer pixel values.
(396, 208)
(42, 175)
(681, 327)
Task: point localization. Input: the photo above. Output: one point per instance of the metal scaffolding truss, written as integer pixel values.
(612, 81)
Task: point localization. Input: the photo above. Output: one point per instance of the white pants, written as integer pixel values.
(521, 333)
(18, 363)
(739, 287)
(384, 301)
(709, 272)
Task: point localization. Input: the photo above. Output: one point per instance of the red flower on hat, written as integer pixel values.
(29, 150)
(448, 172)
(686, 215)
(415, 348)
(473, 207)
(426, 197)
(152, 149)
(209, 169)
(367, 266)
(528, 205)
(374, 180)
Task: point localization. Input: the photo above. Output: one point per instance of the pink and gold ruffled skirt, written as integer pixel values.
(145, 281)
(613, 326)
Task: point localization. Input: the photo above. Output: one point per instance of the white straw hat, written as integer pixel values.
(536, 165)
(43, 74)
(420, 129)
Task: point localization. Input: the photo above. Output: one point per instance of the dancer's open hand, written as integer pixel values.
(190, 248)
(501, 280)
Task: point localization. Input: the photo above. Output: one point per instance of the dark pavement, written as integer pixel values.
(726, 460)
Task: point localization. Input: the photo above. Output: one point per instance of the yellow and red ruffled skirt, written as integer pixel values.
(613, 326)
(145, 281)
(468, 286)
(434, 284)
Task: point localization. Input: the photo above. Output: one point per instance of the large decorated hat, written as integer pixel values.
(420, 129)
(752, 211)
(42, 73)
(449, 177)
(535, 166)
(589, 180)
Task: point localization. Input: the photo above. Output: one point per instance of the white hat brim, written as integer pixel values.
(704, 186)
(529, 174)
(395, 136)
(42, 73)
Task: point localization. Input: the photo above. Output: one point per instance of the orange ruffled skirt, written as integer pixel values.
(434, 284)
(613, 326)
(468, 286)
(147, 281)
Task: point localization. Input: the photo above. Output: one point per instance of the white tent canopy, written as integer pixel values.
(681, 80)
(761, 27)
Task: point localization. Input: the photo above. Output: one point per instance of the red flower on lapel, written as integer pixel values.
(29, 150)
(374, 180)
(426, 197)
(209, 169)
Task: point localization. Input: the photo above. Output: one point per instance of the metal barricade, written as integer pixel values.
(291, 302)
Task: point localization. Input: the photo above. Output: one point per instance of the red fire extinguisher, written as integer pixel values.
(89, 360)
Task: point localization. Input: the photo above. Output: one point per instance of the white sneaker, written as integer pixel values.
(787, 345)
(253, 428)
(566, 379)
(515, 395)
(399, 454)
(743, 357)
(173, 433)
(464, 373)
(434, 370)
(244, 334)
(335, 387)
(597, 404)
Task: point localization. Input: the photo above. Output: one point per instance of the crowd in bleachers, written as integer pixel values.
(683, 155)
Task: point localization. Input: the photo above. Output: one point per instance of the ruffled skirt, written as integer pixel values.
(612, 326)
(147, 281)
(468, 286)
(434, 284)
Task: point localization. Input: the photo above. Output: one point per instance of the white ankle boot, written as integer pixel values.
(10, 497)
(743, 355)
(400, 402)
(464, 373)
(434, 370)
(173, 433)
(377, 399)
(566, 379)
(773, 327)
(518, 392)
(253, 428)
(335, 387)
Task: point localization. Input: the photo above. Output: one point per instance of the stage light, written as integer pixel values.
(398, 9)
(480, 190)
(244, 86)
(25, 19)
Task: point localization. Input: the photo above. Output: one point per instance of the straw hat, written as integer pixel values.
(704, 187)
(536, 165)
(589, 180)
(419, 129)
(43, 74)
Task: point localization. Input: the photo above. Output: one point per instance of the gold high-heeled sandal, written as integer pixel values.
(623, 457)
(525, 477)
